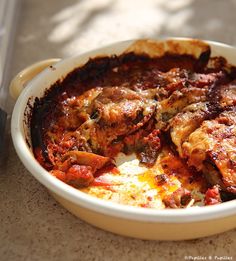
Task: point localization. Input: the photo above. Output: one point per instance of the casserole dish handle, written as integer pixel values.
(19, 82)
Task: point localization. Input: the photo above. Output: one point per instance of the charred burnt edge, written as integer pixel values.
(36, 128)
(132, 57)
(40, 110)
(214, 97)
(92, 69)
(203, 60)
(227, 196)
(190, 62)
(232, 73)
(97, 67)
(27, 118)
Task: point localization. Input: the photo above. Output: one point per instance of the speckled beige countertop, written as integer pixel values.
(33, 226)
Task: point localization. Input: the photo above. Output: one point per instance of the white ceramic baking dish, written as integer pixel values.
(168, 224)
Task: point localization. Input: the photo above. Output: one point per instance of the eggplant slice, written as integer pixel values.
(215, 141)
(116, 112)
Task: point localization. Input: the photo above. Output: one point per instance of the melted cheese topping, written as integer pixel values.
(137, 185)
